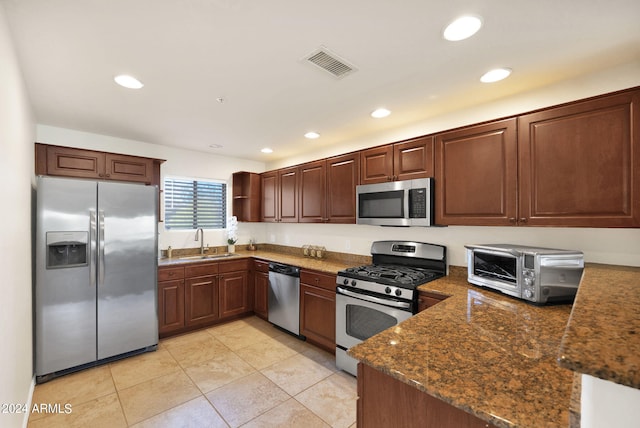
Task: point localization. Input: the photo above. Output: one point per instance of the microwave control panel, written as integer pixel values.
(418, 203)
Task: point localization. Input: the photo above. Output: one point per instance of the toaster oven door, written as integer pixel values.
(495, 269)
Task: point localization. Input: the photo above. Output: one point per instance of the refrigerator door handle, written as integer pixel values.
(100, 248)
(93, 231)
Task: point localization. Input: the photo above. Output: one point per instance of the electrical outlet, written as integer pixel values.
(347, 244)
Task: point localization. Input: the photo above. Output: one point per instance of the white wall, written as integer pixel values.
(17, 128)
(608, 404)
(181, 163)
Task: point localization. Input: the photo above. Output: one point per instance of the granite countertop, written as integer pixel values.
(328, 265)
(602, 338)
(482, 352)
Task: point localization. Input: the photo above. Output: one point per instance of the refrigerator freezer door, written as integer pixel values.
(127, 268)
(65, 300)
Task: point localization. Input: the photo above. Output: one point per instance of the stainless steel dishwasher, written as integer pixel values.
(284, 297)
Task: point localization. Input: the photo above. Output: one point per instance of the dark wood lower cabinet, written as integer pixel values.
(261, 295)
(170, 305)
(234, 294)
(386, 402)
(201, 297)
(318, 309)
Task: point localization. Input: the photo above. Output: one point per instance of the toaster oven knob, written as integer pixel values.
(387, 290)
(528, 281)
(528, 293)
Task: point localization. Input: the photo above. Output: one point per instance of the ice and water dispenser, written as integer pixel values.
(67, 249)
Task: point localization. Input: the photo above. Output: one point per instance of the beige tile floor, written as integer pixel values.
(245, 373)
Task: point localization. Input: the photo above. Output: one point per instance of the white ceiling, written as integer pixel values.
(188, 53)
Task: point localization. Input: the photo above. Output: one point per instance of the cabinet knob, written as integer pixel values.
(523, 220)
(512, 220)
(107, 175)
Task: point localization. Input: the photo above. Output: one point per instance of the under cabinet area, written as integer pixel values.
(234, 288)
(196, 295)
(387, 402)
(170, 299)
(261, 288)
(427, 299)
(318, 308)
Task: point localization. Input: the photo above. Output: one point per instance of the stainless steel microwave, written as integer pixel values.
(396, 203)
(538, 275)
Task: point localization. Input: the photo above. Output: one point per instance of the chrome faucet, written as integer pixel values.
(201, 240)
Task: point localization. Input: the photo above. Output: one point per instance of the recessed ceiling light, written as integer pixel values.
(462, 28)
(380, 113)
(216, 146)
(495, 75)
(128, 81)
(266, 150)
(311, 135)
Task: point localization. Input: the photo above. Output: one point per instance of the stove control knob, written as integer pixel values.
(387, 290)
(353, 282)
(346, 281)
(398, 292)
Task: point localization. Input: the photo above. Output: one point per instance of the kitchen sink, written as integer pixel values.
(207, 256)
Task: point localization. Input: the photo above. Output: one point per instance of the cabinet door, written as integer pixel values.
(234, 294)
(288, 195)
(318, 316)
(269, 196)
(476, 175)
(70, 162)
(128, 168)
(413, 159)
(261, 295)
(312, 192)
(170, 305)
(376, 165)
(343, 175)
(579, 164)
(201, 300)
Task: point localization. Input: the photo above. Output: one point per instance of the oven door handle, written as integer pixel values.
(367, 298)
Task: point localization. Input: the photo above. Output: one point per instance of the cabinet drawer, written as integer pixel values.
(261, 266)
(234, 265)
(170, 273)
(318, 279)
(201, 269)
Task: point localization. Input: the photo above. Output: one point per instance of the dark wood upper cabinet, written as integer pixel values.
(312, 191)
(280, 195)
(327, 190)
(413, 158)
(577, 164)
(476, 175)
(269, 192)
(288, 195)
(343, 175)
(246, 196)
(376, 165)
(80, 163)
(405, 160)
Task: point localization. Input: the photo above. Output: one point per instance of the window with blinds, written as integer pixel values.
(191, 204)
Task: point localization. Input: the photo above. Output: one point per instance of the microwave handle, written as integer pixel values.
(405, 203)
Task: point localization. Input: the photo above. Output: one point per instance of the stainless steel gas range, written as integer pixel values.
(372, 298)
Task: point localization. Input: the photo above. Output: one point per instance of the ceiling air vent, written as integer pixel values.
(330, 62)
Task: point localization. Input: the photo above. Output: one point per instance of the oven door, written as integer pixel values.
(359, 317)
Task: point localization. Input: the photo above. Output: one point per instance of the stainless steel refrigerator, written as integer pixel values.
(96, 270)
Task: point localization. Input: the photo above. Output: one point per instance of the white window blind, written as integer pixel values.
(191, 204)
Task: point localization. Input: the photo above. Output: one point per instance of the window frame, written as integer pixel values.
(196, 222)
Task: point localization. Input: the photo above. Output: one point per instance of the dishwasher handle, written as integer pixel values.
(284, 269)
